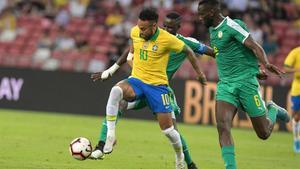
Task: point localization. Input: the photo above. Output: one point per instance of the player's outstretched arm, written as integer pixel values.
(210, 52)
(194, 61)
(289, 69)
(261, 55)
(110, 71)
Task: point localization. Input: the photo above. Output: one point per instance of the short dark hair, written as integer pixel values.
(173, 15)
(148, 14)
(209, 2)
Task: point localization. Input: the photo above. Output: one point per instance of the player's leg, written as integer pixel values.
(98, 151)
(296, 122)
(226, 108)
(187, 156)
(176, 112)
(159, 102)
(124, 105)
(225, 113)
(167, 127)
(262, 117)
(122, 90)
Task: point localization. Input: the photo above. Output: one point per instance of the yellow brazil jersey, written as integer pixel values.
(293, 60)
(151, 57)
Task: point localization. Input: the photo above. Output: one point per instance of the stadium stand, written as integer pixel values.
(88, 35)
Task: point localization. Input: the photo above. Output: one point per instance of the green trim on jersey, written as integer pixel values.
(234, 60)
(176, 59)
(154, 37)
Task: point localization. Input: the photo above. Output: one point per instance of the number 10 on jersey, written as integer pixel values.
(143, 54)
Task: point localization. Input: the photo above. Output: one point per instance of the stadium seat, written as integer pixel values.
(67, 64)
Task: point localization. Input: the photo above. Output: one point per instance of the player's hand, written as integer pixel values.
(262, 75)
(96, 76)
(100, 76)
(202, 78)
(274, 69)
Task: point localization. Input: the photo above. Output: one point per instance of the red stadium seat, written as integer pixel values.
(67, 64)
(24, 62)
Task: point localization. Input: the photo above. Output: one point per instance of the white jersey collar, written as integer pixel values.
(220, 23)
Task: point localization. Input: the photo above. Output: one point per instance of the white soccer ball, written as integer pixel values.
(80, 148)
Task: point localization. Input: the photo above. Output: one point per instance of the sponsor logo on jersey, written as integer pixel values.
(220, 34)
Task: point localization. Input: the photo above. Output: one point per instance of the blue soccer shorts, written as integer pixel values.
(295, 103)
(157, 97)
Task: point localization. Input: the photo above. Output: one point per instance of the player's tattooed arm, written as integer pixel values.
(261, 55)
(194, 61)
(130, 56)
(110, 71)
(123, 58)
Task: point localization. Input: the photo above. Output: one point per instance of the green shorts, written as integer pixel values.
(244, 94)
(141, 103)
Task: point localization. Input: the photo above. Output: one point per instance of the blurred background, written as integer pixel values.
(48, 49)
(89, 35)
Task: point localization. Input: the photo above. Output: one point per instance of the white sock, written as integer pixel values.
(131, 105)
(115, 96)
(296, 129)
(174, 138)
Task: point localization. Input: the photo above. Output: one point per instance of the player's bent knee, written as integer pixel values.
(171, 133)
(116, 92)
(263, 135)
(123, 105)
(296, 116)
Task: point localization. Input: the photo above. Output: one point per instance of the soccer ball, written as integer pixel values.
(80, 148)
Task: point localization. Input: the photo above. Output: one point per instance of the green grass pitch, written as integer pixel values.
(37, 140)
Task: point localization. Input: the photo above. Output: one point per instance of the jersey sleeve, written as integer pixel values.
(134, 32)
(238, 30)
(175, 44)
(291, 58)
(195, 45)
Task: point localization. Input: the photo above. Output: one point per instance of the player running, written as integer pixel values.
(151, 48)
(172, 24)
(292, 65)
(237, 56)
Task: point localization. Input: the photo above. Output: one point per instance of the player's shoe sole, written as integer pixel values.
(282, 114)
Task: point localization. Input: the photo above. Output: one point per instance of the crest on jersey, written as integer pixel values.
(220, 34)
(154, 48)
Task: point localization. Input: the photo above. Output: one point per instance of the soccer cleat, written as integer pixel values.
(110, 141)
(192, 166)
(282, 114)
(297, 146)
(180, 162)
(98, 151)
(97, 154)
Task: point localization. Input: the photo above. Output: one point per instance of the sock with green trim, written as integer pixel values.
(229, 157)
(187, 155)
(272, 113)
(103, 131)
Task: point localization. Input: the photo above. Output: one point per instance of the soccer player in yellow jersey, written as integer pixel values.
(151, 48)
(292, 65)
